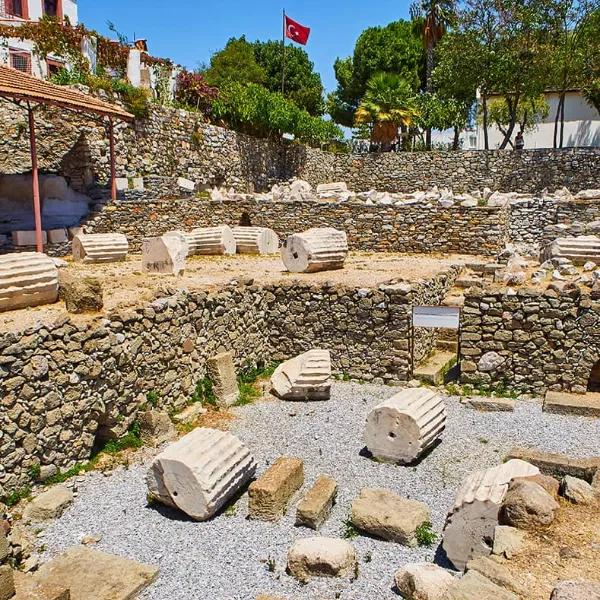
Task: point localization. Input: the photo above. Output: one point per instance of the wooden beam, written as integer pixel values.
(37, 211)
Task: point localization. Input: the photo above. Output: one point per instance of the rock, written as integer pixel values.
(199, 473)
(29, 588)
(489, 404)
(588, 195)
(314, 508)
(301, 188)
(221, 371)
(7, 583)
(186, 184)
(49, 504)
(336, 188)
(550, 484)
(490, 361)
(508, 541)
(578, 589)
(80, 294)
(527, 505)
(423, 581)
(100, 247)
(497, 573)
(270, 494)
(401, 428)
(304, 377)
(589, 266)
(4, 547)
(321, 557)
(27, 279)
(317, 249)
(190, 414)
(106, 576)
(474, 586)
(165, 255)
(577, 491)
(473, 518)
(385, 515)
(156, 427)
(255, 240)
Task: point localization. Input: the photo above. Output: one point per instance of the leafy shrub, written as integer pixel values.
(425, 535)
(136, 99)
(193, 91)
(69, 77)
(204, 393)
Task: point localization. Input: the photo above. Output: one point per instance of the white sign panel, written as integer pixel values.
(447, 317)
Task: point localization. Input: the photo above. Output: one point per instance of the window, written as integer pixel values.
(52, 8)
(20, 60)
(16, 8)
(54, 66)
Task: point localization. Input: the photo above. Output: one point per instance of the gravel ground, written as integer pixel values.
(228, 558)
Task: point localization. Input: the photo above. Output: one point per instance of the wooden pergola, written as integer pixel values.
(28, 92)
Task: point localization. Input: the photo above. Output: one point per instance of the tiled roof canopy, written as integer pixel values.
(17, 85)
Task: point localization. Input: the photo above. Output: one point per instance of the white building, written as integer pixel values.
(581, 125)
(19, 54)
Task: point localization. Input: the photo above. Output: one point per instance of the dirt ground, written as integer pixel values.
(125, 285)
(567, 549)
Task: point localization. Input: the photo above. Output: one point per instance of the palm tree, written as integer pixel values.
(432, 18)
(388, 105)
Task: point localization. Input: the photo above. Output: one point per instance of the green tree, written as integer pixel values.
(388, 105)
(435, 111)
(590, 74)
(431, 18)
(235, 63)
(302, 84)
(395, 48)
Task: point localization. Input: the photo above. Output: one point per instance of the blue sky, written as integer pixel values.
(189, 31)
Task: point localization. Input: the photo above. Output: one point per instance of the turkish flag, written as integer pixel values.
(296, 32)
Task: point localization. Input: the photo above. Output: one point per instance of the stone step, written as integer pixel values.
(434, 369)
(562, 403)
(448, 345)
(467, 282)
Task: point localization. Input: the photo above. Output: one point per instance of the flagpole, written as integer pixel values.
(283, 60)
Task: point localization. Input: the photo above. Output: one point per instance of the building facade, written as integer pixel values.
(581, 125)
(19, 54)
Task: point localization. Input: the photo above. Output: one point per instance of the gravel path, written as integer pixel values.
(228, 557)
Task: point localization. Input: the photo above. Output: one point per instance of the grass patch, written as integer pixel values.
(349, 531)
(15, 497)
(204, 393)
(499, 390)
(425, 534)
(248, 393)
(34, 472)
(248, 378)
(152, 398)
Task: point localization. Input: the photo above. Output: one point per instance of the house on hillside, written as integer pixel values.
(19, 54)
(581, 124)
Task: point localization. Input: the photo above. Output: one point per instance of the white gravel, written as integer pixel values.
(227, 558)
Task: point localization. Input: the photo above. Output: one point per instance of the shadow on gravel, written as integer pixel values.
(172, 514)
(441, 558)
(366, 454)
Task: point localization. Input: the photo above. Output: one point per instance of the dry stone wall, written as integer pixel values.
(175, 143)
(67, 386)
(479, 230)
(532, 341)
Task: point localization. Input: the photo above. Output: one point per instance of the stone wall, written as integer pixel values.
(505, 170)
(532, 342)
(64, 387)
(173, 142)
(410, 228)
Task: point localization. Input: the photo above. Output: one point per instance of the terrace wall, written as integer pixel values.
(64, 386)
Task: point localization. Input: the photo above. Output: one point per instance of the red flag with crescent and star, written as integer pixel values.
(296, 32)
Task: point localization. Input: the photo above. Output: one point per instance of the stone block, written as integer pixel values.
(270, 494)
(527, 505)
(485, 404)
(4, 547)
(27, 279)
(221, 371)
(199, 473)
(74, 231)
(186, 184)
(578, 589)
(321, 557)
(29, 587)
(587, 405)
(578, 491)
(7, 583)
(314, 508)
(138, 184)
(27, 238)
(304, 377)
(497, 573)
(401, 428)
(80, 294)
(474, 586)
(122, 183)
(57, 236)
(156, 427)
(385, 515)
(49, 504)
(89, 573)
(165, 255)
(190, 414)
(508, 541)
(100, 247)
(473, 518)
(423, 581)
(255, 240)
(317, 249)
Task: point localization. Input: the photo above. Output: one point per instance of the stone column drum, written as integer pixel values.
(208, 240)
(165, 254)
(256, 240)
(27, 279)
(473, 518)
(401, 428)
(318, 249)
(100, 247)
(199, 473)
(304, 377)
